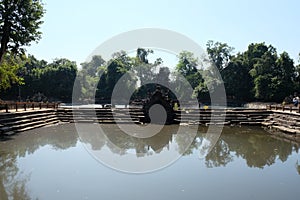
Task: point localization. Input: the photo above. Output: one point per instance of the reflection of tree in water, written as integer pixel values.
(297, 164)
(120, 142)
(187, 142)
(298, 167)
(253, 145)
(89, 134)
(12, 182)
(219, 155)
(61, 138)
(10, 186)
(183, 143)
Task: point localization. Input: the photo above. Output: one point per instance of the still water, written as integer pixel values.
(54, 163)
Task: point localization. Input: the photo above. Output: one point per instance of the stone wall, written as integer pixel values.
(283, 123)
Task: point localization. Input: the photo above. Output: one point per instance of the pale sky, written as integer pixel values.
(72, 29)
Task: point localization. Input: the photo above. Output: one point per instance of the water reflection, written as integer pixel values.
(253, 145)
(9, 186)
(250, 144)
(134, 154)
(12, 180)
(120, 142)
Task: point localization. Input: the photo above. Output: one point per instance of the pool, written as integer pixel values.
(57, 163)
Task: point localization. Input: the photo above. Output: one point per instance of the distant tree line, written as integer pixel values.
(42, 81)
(258, 74)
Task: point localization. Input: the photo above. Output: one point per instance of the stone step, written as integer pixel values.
(28, 112)
(11, 129)
(200, 121)
(37, 126)
(267, 123)
(24, 116)
(24, 125)
(26, 120)
(217, 123)
(106, 121)
(5, 129)
(99, 118)
(250, 123)
(98, 115)
(282, 121)
(99, 111)
(287, 130)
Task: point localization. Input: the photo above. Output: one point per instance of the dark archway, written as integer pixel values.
(163, 112)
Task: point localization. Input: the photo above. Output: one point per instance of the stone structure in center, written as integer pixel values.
(158, 108)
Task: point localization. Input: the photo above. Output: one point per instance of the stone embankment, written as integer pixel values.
(100, 115)
(14, 122)
(283, 122)
(223, 116)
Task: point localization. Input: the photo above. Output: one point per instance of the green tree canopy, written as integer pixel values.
(219, 53)
(9, 67)
(20, 21)
(258, 73)
(262, 61)
(237, 80)
(54, 80)
(187, 63)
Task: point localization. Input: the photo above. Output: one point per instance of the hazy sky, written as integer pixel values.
(74, 28)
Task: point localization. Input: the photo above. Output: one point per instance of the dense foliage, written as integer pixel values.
(9, 68)
(19, 24)
(258, 74)
(20, 21)
(43, 81)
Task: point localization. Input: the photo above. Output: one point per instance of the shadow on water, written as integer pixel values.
(251, 144)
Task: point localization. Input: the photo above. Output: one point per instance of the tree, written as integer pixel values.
(219, 53)
(19, 24)
(9, 68)
(187, 64)
(142, 54)
(112, 72)
(237, 80)
(261, 60)
(145, 72)
(187, 68)
(88, 77)
(92, 68)
(284, 81)
(54, 80)
(297, 74)
(58, 79)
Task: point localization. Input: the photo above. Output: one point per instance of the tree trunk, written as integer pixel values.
(4, 42)
(4, 39)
